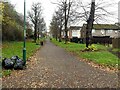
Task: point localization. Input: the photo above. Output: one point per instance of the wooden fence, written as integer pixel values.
(102, 40)
(116, 43)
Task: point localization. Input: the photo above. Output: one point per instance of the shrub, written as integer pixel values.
(6, 72)
(12, 28)
(91, 48)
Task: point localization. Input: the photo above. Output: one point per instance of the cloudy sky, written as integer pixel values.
(49, 8)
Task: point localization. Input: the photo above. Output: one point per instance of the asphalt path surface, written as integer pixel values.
(53, 67)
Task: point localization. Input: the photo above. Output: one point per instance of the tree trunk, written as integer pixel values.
(90, 25)
(56, 37)
(60, 34)
(35, 33)
(87, 38)
(38, 34)
(66, 37)
(66, 32)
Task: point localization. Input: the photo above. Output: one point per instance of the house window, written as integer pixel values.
(74, 33)
(116, 32)
(93, 30)
(110, 31)
(102, 32)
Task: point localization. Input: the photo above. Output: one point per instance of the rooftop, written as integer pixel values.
(75, 27)
(105, 26)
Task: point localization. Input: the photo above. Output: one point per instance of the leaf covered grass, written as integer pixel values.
(102, 56)
(10, 49)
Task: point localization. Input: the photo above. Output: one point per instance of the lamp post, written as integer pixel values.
(24, 33)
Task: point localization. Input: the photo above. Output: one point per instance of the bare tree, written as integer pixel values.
(74, 12)
(41, 27)
(97, 13)
(101, 11)
(35, 16)
(54, 27)
(67, 6)
(60, 23)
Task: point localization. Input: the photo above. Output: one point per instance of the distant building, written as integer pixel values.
(111, 30)
(73, 31)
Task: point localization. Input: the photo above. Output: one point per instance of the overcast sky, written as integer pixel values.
(49, 8)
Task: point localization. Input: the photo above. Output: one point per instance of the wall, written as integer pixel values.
(111, 33)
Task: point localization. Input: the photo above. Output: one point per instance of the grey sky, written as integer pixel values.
(49, 8)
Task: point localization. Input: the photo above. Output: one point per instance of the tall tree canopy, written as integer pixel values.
(67, 9)
(12, 22)
(12, 25)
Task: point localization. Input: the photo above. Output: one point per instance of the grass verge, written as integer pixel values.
(10, 49)
(116, 50)
(101, 57)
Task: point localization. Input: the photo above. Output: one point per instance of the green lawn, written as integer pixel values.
(103, 56)
(116, 50)
(10, 49)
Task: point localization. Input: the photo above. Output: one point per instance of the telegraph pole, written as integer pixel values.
(90, 24)
(24, 33)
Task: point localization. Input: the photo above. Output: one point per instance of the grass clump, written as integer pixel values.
(6, 73)
(91, 48)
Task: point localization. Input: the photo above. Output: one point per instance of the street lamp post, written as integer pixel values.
(24, 33)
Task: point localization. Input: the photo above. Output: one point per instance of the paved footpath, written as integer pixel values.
(53, 67)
